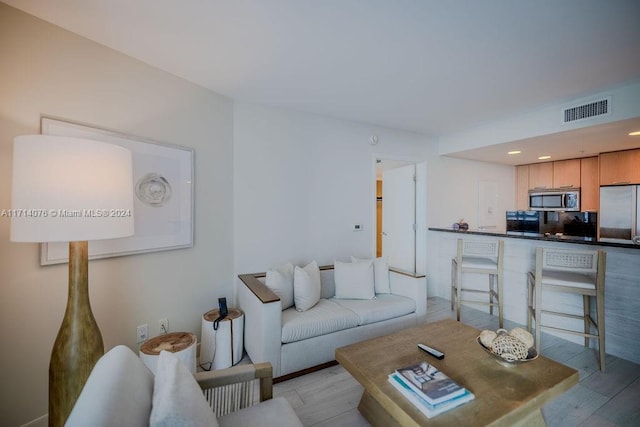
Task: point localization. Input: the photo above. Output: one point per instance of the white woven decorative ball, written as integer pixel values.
(487, 337)
(509, 348)
(523, 335)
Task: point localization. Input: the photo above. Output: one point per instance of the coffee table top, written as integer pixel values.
(503, 395)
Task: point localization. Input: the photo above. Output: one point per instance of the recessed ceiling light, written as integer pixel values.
(635, 133)
(544, 157)
(514, 152)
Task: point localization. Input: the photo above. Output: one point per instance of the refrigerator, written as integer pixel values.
(620, 214)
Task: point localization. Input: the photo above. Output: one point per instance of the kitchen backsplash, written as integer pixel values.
(583, 224)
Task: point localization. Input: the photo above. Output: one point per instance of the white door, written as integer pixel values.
(399, 217)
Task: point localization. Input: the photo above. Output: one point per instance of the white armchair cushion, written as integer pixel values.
(323, 318)
(118, 392)
(380, 274)
(306, 286)
(382, 307)
(354, 280)
(177, 397)
(280, 281)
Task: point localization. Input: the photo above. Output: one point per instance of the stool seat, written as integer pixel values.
(567, 278)
(573, 272)
(479, 263)
(479, 257)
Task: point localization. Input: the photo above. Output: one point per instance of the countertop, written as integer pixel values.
(538, 236)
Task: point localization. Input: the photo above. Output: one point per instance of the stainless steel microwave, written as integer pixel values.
(554, 200)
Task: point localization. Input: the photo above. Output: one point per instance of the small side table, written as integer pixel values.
(221, 348)
(183, 344)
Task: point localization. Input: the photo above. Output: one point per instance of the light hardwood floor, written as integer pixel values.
(330, 397)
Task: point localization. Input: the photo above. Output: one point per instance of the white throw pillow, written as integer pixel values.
(306, 286)
(354, 280)
(177, 397)
(280, 281)
(380, 274)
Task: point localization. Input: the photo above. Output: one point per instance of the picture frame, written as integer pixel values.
(163, 180)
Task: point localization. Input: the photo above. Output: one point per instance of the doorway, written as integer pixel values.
(399, 211)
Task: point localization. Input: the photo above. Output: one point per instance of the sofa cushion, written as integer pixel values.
(325, 317)
(383, 307)
(380, 274)
(306, 286)
(274, 412)
(115, 400)
(280, 281)
(354, 280)
(177, 397)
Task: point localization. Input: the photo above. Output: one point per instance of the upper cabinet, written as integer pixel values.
(589, 184)
(576, 173)
(541, 175)
(522, 187)
(620, 167)
(566, 173)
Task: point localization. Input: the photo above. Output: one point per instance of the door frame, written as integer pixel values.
(421, 206)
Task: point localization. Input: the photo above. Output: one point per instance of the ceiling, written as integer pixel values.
(429, 66)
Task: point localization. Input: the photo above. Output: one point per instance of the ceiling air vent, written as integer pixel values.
(600, 107)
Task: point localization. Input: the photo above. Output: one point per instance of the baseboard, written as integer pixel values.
(304, 372)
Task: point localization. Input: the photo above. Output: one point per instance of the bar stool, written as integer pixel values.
(477, 256)
(576, 272)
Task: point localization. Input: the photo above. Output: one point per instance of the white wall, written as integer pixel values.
(46, 70)
(302, 181)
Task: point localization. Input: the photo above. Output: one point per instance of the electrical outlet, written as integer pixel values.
(142, 333)
(163, 324)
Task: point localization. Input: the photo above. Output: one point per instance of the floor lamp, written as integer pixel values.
(71, 190)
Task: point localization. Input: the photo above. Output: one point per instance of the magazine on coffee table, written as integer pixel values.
(423, 406)
(430, 383)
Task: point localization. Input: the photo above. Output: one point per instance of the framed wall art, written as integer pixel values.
(163, 183)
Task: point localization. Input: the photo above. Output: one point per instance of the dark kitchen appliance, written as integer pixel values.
(574, 224)
(523, 221)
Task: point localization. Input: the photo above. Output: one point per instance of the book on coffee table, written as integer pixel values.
(423, 406)
(430, 383)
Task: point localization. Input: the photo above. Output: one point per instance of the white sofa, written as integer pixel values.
(121, 391)
(294, 341)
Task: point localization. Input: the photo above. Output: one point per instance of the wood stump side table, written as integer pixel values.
(183, 344)
(221, 348)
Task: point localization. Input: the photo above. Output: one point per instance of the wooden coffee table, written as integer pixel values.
(504, 396)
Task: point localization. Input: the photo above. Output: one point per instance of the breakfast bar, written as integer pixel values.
(622, 289)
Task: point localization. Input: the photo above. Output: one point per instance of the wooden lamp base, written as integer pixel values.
(78, 345)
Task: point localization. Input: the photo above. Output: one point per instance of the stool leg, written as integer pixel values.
(458, 290)
(529, 302)
(500, 305)
(453, 283)
(491, 282)
(601, 336)
(586, 305)
(537, 291)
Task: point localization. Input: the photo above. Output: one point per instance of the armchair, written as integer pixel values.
(122, 391)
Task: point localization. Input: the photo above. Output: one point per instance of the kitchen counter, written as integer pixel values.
(622, 277)
(539, 236)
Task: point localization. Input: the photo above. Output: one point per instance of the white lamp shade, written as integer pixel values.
(70, 189)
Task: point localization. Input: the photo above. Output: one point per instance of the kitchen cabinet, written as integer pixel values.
(541, 175)
(589, 184)
(522, 187)
(566, 173)
(620, 167)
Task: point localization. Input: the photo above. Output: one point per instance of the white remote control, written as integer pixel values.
(432, 351)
